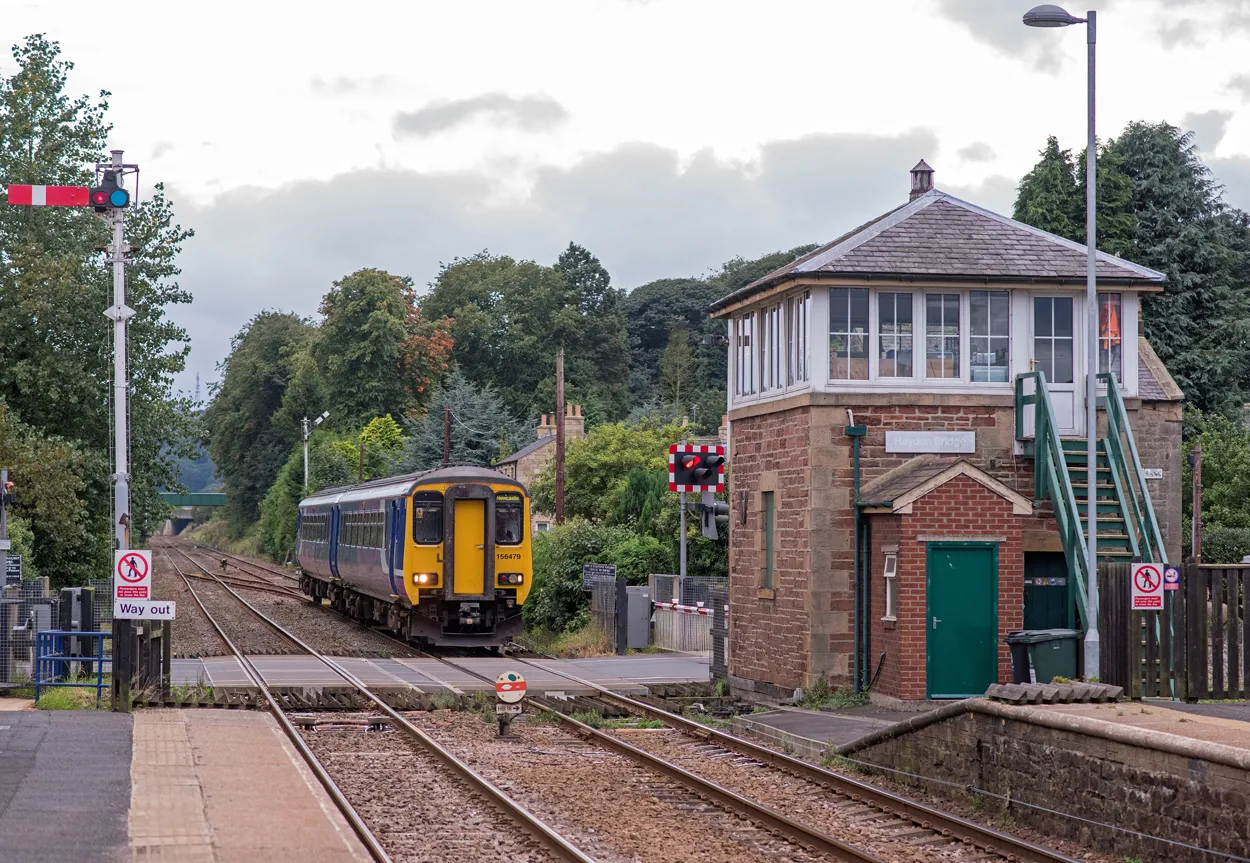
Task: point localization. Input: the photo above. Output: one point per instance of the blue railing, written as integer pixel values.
(50, 658)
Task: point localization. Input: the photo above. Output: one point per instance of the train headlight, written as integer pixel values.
(423, 578)
(511, 578)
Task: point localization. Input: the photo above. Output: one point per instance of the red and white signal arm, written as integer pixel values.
(510, 687)
(680, 451)
(48, 196)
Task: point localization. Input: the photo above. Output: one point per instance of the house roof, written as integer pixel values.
(898, 489)
(940, 237)
(1154, 384)
(527, 449)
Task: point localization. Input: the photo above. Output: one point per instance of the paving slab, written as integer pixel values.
(222, 786)
(1168, 716)
(826, 727)
(64, 785)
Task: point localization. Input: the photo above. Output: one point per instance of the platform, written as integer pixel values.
(628, 675)
(811, 733)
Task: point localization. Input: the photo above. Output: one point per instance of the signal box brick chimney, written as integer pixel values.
(574, 423)
(921, 179)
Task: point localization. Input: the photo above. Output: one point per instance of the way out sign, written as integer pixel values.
(1147, 587)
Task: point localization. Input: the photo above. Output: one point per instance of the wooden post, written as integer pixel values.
(446, 434)
(1196, 535)
(560, 436)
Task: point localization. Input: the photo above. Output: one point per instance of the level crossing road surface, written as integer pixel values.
(64, 785)
(628, 675)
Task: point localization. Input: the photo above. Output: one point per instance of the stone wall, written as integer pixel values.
(1116, 777)
(1157, 431)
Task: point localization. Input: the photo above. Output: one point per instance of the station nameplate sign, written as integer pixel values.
(931, 441)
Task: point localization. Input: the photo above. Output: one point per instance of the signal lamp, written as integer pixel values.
(109, 194)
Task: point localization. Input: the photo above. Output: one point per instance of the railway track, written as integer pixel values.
(456, 774)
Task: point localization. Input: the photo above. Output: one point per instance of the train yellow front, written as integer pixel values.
(440, 557)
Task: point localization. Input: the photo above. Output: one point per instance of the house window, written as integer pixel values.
(770, 516)
(848, 334)
(941, 335)
(1052, 338)
(1110, 356)
(891, 587)
(770, 349)
(896, 339)
(796, 337)
(745, 365)
(990, 321)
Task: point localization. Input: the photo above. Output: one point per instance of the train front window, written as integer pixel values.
(509, 519)
(427, 517)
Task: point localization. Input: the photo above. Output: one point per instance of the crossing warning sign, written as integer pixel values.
(1147, 587)
(132, 571)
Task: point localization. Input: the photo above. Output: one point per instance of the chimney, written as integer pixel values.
(921, 179)
(547, 428)
(723, 431)
(574, 422)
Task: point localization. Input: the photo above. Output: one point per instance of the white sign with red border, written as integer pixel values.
(132, 575)
(1147, 587)
(510, 687)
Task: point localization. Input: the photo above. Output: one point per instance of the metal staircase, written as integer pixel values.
(1127, 529)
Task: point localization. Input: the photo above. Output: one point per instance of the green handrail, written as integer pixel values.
(1051, 480)
(1142, 510)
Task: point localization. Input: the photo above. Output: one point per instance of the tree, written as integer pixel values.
(678, 370)
(375, 351)
(247, 438)
(54, 352)
(597, 356)
(480, 422)
(1048, 196)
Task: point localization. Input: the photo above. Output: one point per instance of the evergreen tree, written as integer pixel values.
(1048, 196)
(678, 371)
(480, 424)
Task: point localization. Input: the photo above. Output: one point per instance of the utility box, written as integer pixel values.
(1041, 655)
(638, 616)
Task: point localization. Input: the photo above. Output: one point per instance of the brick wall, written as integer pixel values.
(962, 508)
(1138, 787)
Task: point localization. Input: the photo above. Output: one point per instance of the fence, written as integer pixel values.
(682, 612)
(1192, 649)
(607, 592)
(26, 608)
(719, 597)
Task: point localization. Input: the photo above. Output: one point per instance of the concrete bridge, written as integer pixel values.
(184, 508)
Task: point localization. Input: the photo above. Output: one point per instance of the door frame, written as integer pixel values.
(928, 651)
(1078, 354)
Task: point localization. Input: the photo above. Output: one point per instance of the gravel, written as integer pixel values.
(417, 808)
(612, 808)
(190, 630)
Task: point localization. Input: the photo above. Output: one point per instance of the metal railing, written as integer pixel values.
(51, 657)
(1130, 479)
(1051, 480)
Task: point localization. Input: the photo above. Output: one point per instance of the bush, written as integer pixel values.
(1225, 544)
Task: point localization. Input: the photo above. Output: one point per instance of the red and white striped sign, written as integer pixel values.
(676, 449)
(49, 196)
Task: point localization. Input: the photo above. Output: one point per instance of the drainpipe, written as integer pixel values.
(861, 610)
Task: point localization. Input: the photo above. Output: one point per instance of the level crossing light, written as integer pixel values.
(1050, 15)
(308, 434)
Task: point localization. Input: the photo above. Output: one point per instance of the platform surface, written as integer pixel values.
(220, 786)
(64, 785)
(624, 674)
(828, 727)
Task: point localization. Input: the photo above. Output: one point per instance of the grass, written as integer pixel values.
(70, 698)
(444, 701)
(590, 640)
(192, 693)
(598, 720)
(821, 696)
(217, 534)
(707, 719)
(722, 687)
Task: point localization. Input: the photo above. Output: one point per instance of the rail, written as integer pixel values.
(1128, 465)
(545, 835)
(1051, 480)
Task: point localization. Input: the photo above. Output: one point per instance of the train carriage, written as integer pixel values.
(441, 557)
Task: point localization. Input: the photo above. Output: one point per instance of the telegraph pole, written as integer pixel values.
(446, 434)
(560, 436)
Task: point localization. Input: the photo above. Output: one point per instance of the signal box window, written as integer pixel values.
(427, 518)
(941, 335)
(848, 334)
(1052, 338)
(796, 330)
(509, 519)
(744, 367)
(991, 335)
(1110, 355)
(896, 338)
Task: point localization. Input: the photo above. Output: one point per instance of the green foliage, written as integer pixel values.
(642, 500)
(821, 696)
(1222, 544)
(481, 426)
(509, 318)
(1048, 197)
(383, 434)
(23, 539)
(1225, 474)
(678, 369)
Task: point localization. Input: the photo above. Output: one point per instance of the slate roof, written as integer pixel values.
(940, 237)
(1154, 384)
(902, 479)
(527, 449)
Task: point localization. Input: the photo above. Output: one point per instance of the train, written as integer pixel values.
(441, 557)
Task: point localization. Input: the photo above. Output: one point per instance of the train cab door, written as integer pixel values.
(395, 546)
(335, 522)
(469, 568)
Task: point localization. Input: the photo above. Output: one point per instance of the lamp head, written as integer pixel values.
(1050, 15)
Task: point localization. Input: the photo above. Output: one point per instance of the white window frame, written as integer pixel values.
(962, 316)
(989, 292)
(798, 311)
(744, 355)
(867, 336)
(890, 574)
(874, 320)
(1104, 344)
(771, 355)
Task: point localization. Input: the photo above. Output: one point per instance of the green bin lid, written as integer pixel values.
(1036, 636)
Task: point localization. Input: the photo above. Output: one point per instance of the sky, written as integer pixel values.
(305, 141)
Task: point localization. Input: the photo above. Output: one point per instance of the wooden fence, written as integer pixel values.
(1192, 649)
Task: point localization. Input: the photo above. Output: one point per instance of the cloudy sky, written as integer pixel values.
(305, 140)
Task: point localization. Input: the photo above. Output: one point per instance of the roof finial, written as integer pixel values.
(921, 179)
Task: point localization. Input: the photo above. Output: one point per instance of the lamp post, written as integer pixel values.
(1049, 15)
(308, 434)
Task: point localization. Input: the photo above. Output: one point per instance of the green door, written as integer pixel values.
(962, 625)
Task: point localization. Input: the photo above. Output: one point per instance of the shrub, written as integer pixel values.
(1225, 544)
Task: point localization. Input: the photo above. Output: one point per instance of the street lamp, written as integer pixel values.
(308, 434)
(1049, 15)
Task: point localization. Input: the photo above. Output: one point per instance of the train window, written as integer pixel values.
(427, 517)
(509, 519)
